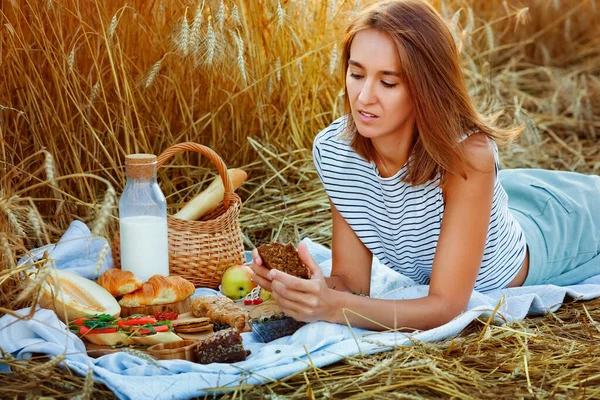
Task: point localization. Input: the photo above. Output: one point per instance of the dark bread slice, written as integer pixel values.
(283, 258)
(222, 347)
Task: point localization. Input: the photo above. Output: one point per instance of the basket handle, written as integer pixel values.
(212, 156)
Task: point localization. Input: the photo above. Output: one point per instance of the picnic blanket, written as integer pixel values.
(315, 345)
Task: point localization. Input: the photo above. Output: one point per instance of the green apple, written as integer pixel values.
(263, 294)
(237, 282)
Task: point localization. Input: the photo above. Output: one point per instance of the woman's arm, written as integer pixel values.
(456, 263)
(351, 260)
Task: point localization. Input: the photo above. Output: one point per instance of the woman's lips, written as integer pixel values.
(367, 117)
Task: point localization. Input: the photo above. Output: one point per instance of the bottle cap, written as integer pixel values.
(140, 165)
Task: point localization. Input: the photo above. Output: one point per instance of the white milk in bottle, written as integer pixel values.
(144, 245)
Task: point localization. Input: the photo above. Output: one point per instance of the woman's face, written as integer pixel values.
(379, 100)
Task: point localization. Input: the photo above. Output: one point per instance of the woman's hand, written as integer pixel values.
(260, 272)
(305, 300)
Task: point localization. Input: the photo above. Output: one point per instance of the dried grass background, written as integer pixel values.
(82, 83)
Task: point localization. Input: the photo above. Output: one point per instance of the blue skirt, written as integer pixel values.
(559, 213)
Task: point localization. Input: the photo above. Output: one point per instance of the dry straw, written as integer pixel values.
(538, 65)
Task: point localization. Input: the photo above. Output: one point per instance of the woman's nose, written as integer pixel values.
(367, 93)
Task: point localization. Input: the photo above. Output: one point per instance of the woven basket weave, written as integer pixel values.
(201, 251)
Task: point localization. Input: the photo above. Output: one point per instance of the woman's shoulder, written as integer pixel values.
(333, 134)
(479, 151)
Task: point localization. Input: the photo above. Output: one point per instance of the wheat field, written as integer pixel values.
(84, 82)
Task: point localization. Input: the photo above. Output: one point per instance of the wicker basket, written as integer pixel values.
(201, 251)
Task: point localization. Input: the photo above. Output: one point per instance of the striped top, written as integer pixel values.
(399, 223)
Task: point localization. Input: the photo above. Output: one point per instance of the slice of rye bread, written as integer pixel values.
(283, 258)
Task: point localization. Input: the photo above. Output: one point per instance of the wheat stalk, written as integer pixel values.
(35, 219)
(195, 34)
(49, 168)
(12, 219)
(184, 36)
(278, 69)
(331, 8)
(8, 253)
(88, 386)
(211, 40)
(280, 15)
(489, 36)
(161, 10)
(101, 258)
(107, 204)
(71, 59)
(36, 283)
(220, 17)
(94, 93)
(333, 60)
(112, 27)
(48, 366)
(152, 74)
(235, 16)
(241, 62)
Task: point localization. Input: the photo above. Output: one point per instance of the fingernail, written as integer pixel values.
(271, 274)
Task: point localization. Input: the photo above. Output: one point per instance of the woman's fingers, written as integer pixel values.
(256, 257)
(299, 284)
(262, 282)
(306, 257)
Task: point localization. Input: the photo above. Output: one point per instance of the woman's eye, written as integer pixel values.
(355, 76)
(388, 85)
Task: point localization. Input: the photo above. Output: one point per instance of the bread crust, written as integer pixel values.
(284, 258)
(119, 282)
(159, 290)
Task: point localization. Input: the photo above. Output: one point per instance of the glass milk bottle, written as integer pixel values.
(144, 243)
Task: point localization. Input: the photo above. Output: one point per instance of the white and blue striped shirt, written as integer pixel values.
(399, 223)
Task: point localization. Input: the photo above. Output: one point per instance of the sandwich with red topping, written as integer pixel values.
(100, 329)
(104, 329)
(147, 330)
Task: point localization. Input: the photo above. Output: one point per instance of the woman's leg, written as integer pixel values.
(559, 213)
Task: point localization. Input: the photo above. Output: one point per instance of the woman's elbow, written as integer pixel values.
(445, 311)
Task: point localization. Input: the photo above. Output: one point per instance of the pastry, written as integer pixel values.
(119, 282)
(159, 290)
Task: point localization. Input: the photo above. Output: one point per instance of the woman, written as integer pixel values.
(412, 177)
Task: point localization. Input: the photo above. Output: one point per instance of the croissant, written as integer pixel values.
(119, 282)
(219, 309)
(159, 290)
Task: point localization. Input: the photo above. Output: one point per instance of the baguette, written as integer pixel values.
(211, 196)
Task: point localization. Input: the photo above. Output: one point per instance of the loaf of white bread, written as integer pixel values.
(159, 290)
(119, 282)
(72, 296)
